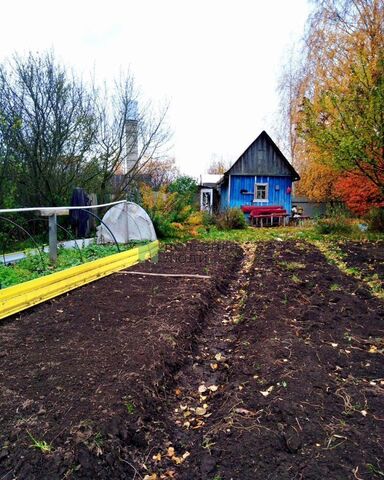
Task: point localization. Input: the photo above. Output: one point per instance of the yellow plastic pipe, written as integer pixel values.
(24, 295)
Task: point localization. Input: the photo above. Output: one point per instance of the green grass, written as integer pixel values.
(304, 232)
(252, 234)
(295, 279)
(41, 445)
(130, 406)
(34, 266)
(292, 265)
(98, 440)
(375, 470)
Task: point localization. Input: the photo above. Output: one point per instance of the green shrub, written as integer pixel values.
(186, 187)
(337, 221)
(208, 219)
(327, 226)
(231, 219)
(163, 226)
(337, 211)
(376, 219)
(168, 210)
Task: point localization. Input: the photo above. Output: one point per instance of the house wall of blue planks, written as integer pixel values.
(239, 184)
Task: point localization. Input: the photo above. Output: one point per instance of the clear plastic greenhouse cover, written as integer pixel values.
(127, 221)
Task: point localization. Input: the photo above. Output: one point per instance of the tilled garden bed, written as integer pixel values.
(87, 373)
(271, 368)
(305, 394)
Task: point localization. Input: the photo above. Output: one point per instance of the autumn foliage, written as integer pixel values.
(317, 182)
(358, 192)
(333, 92)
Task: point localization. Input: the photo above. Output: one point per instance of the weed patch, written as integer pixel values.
(41, 445)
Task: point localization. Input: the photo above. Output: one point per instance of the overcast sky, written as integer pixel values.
(216, 61)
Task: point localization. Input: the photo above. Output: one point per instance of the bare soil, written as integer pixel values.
(305, 393)
(367, 257)
(88, 372)
(273, 368)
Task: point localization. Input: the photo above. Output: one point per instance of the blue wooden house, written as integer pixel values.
(261, 176)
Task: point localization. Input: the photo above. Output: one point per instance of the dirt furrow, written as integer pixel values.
(304, 393)
(199, 387)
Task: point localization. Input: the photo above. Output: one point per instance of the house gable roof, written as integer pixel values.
(263, 157)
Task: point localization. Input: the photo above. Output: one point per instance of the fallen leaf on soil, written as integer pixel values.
(151, 477)
(213, 388)
(372, 349)
(179, 460)
(170, 452)
(157, 457)
(198, 425)
(177, 392)
(364, 413)
(219, 357)
(334, 345)
(200, 411)
(244, 411)
(26, 404)
(265, 393)
(202, 389)
(168, 474)
(214, 366)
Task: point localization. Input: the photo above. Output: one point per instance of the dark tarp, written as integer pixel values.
(79, 218)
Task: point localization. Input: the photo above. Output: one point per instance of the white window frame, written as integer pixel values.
(261, 200)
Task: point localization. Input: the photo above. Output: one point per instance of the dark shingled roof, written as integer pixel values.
(262, 157)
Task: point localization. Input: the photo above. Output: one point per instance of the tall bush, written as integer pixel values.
(232, 218)
(166, 210)
(376, 219)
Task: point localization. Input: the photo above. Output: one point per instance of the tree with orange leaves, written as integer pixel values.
(358, 192)
(338, 113)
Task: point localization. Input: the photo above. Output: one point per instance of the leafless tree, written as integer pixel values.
(56, 133)
(160, 172)
(129, 136)
(47, 127)
(218, 165)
